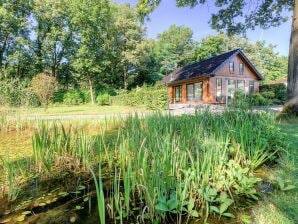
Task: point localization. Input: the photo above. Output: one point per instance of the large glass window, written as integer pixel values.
(194, 91)
(231, 88)
(241, 85)
(241, 68)
(251, 87)
(231, 66)
(177, 93)
(218, 90)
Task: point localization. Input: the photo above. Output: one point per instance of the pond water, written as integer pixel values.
(68, 198)
(16, 144)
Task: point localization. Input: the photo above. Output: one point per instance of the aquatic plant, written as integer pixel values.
(166, 167)
(99, 195)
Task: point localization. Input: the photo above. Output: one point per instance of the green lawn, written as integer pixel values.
(282, 207)
(85, 109)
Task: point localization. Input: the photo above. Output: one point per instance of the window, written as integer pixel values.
(231, 66)
(194, 91)
(241, 85)
(251, 87)
(241, 68)
(218, 90)
(177, 93)
(231, 88)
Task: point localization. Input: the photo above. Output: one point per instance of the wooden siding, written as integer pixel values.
(205, 94)
(209, 84)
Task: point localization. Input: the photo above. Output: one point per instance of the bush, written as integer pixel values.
(279, 90)
(151, 97)
(259, 100)
(44, 86)
(73, 97)
(103, 99)
(16, 92)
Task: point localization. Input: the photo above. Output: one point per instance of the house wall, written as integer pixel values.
(206, 91)
(209, 84)
(225, 74)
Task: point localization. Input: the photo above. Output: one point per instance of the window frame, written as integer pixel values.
(241, 71)
(230, 94)
(233, 67)
(251, 91)
(180, 93)
(218, 98)
(194, 92)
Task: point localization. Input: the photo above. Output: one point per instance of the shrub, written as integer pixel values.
(103, 99)
(259, 100)
(151, 97)
(44, 86)
(279, 90)
(73, 97)
(16, 92)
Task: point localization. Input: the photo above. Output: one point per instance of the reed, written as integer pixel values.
(165, 167)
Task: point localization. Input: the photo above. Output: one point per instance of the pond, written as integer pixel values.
(157, 169)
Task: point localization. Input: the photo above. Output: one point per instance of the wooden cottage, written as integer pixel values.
(213, 80)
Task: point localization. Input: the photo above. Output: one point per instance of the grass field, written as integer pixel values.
(282, 207)
(85, 109)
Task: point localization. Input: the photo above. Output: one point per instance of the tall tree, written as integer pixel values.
(236, 16)
(174, 47)
(129, 35)
(54, 38)
(14, 30)
(90, 22)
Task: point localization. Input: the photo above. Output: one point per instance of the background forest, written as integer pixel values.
(97, 47)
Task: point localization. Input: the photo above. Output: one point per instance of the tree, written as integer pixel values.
(174, 48)
(44, 86)
(90, 22)
(236, 16)
(14, 33)
(54, 38)
(129, 35)
(263, 56)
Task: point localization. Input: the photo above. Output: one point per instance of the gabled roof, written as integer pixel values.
(207, 67)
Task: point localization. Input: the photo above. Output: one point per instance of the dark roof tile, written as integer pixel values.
(205, 68)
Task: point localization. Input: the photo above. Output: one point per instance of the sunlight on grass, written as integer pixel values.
(282, 207)
(72, 110)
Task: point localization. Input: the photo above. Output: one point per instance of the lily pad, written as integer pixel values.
(21, 218)
(26, 212)
(78, 207)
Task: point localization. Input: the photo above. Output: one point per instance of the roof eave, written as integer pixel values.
(186, 80)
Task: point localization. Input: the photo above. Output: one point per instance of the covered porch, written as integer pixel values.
(195, 91)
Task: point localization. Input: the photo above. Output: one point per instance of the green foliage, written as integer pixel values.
(103, 99)
(44, 86)
(279, 91)
(16, 92)
(233, 16)
(206, 161)
(74, 97)
(151, 97)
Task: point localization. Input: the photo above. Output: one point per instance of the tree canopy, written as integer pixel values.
(96, 44)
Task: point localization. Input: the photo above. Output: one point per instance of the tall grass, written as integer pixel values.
(167, 168)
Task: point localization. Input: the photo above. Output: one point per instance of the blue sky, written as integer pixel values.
(197, 19)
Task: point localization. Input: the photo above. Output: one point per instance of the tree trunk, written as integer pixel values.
(291, 106)
(54, 61)
(2, 50)
(39, 66)
(125, 79)
(91, 90)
